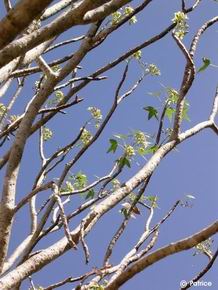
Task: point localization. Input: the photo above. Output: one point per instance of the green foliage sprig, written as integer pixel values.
(180, 19)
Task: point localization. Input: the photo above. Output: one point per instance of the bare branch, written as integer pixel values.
(196, 38)
(33, 70)
(214, 110)
(44, 67)
(60, 24)
(79, 79)
(188, 78)
(8, 5)
(9, 189)
(63, 216)
(187, 10)
(48, 216)
(57, 7)
(161, 253)
(64, 43)
(161, 124)
(84, 245)
(32, 193)
(19, 18)
(123, 225)
(65, 281)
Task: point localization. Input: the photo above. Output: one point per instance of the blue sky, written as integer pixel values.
(191, 169)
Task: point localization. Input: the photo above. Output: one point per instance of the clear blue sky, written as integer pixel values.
(192, 169)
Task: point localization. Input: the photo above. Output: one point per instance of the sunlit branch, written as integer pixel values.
(64, 43)
(187, 10)
(65, 281)
(79, 79)
(12, 24)
(196, 38)
(56, 8)
(31, 194)
(63, 216)
(188, 78)
(76, 16)
(8, 5)
(105, 32)
(45, 67)
(161, 253)
(33, 70)
(84, 244)
(5, 87)
(12, 101)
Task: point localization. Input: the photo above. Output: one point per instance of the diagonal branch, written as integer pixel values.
(161, 253)
(19, 18)
(203, 272)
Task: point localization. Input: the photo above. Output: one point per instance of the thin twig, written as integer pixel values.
(93, 184)
(63, 216)
(65, 281)
(188, 78)
(84, 245)
(203, 272)
(64, 150)
(32, 284)
(123, 225)
(161, 123)
(69, 165)
(79, 79)
(214, 110)
(64, 43)
(187, 10)
(31, 194)
(197, 36)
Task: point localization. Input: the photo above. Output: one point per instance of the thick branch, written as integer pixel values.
(162, 253)
(19, 18)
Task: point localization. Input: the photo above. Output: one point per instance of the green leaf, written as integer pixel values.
(153, 200)
(114, 145)
(173, 95)
(151, 149)
(90, 194)
(206, 63)
(185, 115)
(185, 111)
(80, 180)
(124, 161)
(169, 113)
(152, 112)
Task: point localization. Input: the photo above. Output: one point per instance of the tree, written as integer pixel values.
(44, 72)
